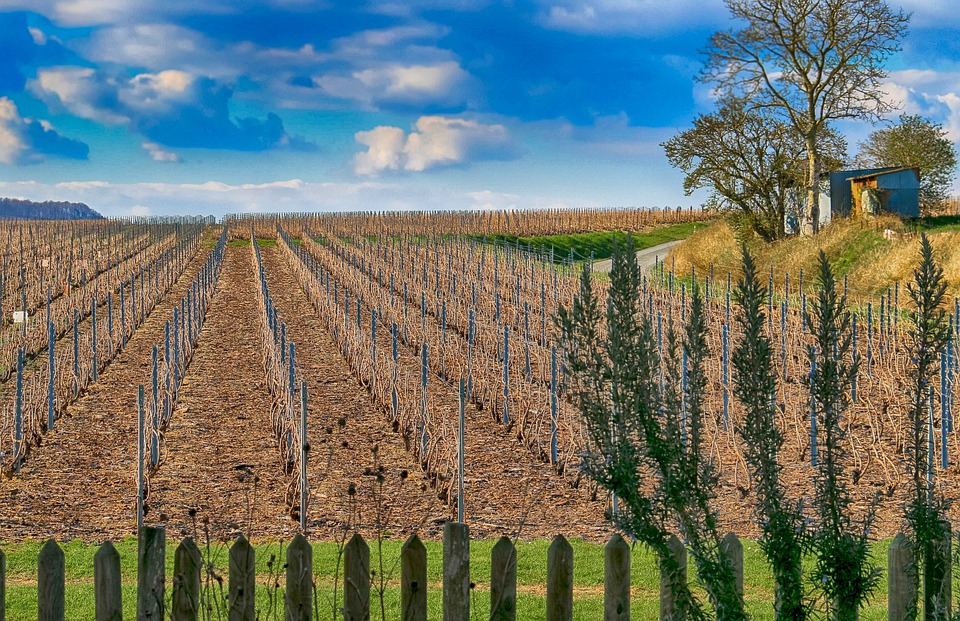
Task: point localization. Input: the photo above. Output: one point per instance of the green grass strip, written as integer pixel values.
(531, 580)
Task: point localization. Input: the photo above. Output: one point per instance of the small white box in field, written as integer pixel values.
(19, 316)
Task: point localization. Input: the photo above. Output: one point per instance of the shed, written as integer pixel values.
(895, 189)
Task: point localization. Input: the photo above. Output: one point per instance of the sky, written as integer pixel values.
(175, 107)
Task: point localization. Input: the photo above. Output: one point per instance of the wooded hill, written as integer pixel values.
(47, 210)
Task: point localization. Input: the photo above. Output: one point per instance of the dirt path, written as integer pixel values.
(646, 258)
(81, 481)
(344, 426)
(220, 437)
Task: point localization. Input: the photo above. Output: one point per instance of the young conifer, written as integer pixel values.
(926, 509)
(844, 572)
(783, 536)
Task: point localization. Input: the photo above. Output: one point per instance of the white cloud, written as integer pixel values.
(159, 154)
(933, 94)
(436, 141)
(641, 17)
(81, 91)
(488, 200)
(11, 142)
(443, 84)
(140, 211)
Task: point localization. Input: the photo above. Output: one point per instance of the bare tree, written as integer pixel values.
(811, 62)
(752, 162)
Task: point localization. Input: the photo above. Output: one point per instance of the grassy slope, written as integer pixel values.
(531, 579)
(855, 248)
(599, 243)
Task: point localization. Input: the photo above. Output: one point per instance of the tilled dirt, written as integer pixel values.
(507, 491)
(81, 481)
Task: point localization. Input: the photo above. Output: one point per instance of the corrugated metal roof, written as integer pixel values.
(886, 171)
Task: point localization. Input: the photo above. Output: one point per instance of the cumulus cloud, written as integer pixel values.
(444, 84)
(933, 94)
(25, 140)
(170, 108)
(159, 154)
(436, 141)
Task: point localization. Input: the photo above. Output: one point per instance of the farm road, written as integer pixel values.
(220, 436)
(81, 482)
(646, 258)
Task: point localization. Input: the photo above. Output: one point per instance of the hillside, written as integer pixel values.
(47, 210)
(873, 254)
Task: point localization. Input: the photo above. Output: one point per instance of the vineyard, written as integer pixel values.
(385, 371)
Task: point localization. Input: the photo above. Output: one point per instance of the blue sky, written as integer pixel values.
(150, 107)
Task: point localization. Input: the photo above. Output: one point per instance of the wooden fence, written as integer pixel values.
(299, 596)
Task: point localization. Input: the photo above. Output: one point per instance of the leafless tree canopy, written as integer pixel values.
(811, 61)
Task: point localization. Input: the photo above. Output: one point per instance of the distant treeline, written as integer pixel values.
(47, 210)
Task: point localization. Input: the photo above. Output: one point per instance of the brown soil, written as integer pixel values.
(81, 481)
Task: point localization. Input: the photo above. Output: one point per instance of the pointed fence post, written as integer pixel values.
(186, 581)
(3, 586)
(356, 580)
(503, 581)
(901, 579)
(50, 579)
(560, 580)
(732, 548)
(151, 576)
(242, 581)
(668, 604)
(937, 581)
(299, 597)
(456, 571)
(413, 580)
(616, 579)
(106, 584)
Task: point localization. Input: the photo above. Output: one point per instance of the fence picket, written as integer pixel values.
(732, 548)
(901, 579)
(151, 576)
(503, 581)
(356, 580)
(616, 580)
(668, 604)
(3, 586)
(186, 581)
(456, 571)
(50, 587)
(242, 581)
(560, 580)
(413, 580)
(106, 584)
(299, 596)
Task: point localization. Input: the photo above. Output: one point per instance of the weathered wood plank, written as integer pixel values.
(413, 580)
(108, 595)
(937, 579)
(668, 605)
(356, 580)
(616, 579)
(187, 563)
(503, 581)
(299, 595)
(50, 583)
(732, 548)
(151, 574)
(3, 586)
(901, 579)
(242, 581)
(456, 571)
(560, 580)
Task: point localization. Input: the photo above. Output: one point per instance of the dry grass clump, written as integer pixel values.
(856, 248)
